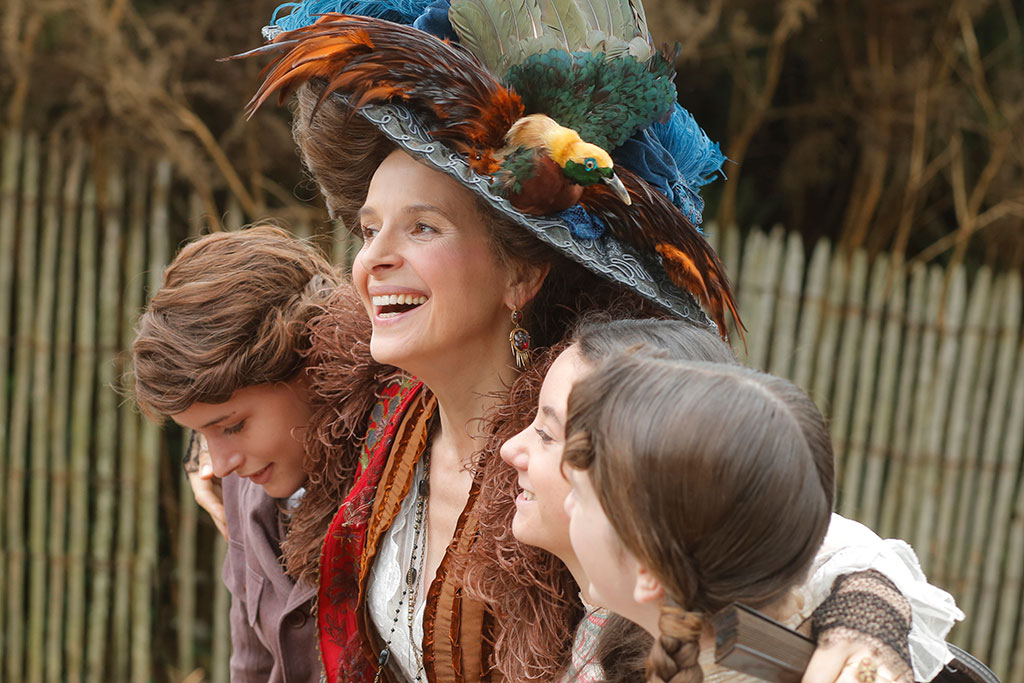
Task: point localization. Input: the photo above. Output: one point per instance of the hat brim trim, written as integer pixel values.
(605, 256)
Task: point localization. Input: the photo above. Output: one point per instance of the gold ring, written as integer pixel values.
(867, 671)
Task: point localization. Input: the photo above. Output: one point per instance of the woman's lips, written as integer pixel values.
(262, 476)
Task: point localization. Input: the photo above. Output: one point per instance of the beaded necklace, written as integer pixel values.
(411, 589)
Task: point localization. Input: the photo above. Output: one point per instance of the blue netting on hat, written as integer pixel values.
(582, 225)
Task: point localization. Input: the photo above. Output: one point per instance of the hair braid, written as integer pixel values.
(673, 658)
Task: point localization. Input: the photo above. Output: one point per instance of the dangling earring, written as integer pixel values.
(520, 340)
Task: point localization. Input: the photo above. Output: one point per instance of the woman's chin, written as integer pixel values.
(389, 350)
(522, 529)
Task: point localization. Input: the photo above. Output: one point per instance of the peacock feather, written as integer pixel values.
(606, 100)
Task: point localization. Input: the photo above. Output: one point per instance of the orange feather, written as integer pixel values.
(373, 61)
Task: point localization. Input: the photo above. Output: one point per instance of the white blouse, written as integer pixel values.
(387, 581)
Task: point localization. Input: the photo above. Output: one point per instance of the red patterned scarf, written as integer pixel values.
(343, 546)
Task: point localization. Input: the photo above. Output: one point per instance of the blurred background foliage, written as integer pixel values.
(896, 125)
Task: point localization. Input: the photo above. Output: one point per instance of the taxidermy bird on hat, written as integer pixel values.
(535, 94)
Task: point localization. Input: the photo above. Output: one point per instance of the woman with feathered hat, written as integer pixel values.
(493, 217)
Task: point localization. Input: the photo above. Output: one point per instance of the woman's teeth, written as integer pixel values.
(390, 305)
(396, 299)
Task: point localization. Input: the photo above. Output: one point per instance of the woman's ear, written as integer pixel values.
(524, 283)
(647, 589)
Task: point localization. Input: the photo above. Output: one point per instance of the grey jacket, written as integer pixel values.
(273, 634)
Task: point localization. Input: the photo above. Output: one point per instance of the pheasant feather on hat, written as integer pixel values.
(534, 96)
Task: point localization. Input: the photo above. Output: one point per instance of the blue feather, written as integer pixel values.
(305, 13)
(698, 159)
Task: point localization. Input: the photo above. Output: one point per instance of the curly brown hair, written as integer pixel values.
(231, 312)
(343, 381)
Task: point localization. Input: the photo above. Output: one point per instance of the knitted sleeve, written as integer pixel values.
(866, 607)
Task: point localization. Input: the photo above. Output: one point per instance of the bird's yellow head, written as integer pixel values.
(582, 162)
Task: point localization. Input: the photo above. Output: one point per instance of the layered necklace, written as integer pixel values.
(410, 591)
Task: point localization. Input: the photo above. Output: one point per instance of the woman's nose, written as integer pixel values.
(224, 460)
(513, 453)
(380, 251)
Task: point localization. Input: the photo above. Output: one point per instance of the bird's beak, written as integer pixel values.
(619, 189)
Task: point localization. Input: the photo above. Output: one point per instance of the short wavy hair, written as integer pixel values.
(231, 313)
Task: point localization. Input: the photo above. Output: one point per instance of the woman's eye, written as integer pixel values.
(235, 428)
(367, 232)
(544, 437)
(424, 228)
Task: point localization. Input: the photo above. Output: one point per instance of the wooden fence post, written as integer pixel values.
(938, 383)
(20, 410)
(788, 308)
(892, 287)
(185, 609)
(8, 232)
(811, 313)
(835, 294)
(149, 452)
(60, 433)
(39, 470)
(128, 463)
(954, 471)
(851, 315)
(923, 408)
(81, 433)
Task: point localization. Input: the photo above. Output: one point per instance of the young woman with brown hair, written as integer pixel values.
(695, 486)
(220, 350)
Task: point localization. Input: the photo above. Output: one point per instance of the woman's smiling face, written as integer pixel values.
(536, 454)
(428, 273)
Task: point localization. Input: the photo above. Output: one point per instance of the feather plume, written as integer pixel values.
(565, 21)
(698, 159)
(375, 61)
(305, 13)
(496, 30)
(653, 224)
(636, 8)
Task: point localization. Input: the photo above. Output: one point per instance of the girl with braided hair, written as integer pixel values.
(695, 485)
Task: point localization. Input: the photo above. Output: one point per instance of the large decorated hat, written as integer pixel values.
(560, 114)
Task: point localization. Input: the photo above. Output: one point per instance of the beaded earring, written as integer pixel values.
(520, 340)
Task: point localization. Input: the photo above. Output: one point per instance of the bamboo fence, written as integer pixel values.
(109, 573)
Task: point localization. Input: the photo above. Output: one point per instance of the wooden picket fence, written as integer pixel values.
(109, 573)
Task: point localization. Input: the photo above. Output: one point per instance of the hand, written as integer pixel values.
(206, 487)
(846, 661)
